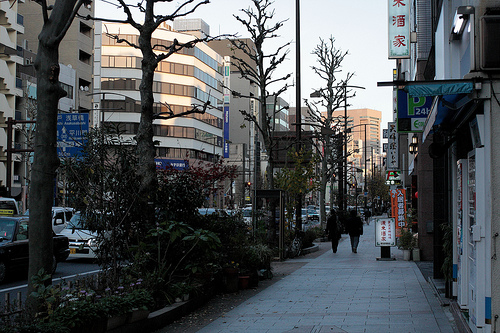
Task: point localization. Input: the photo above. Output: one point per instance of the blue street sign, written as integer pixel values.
(163, 163)
(72, 129)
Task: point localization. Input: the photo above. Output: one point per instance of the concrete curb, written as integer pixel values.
(311, 249)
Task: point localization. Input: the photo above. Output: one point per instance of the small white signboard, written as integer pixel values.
(385, 232)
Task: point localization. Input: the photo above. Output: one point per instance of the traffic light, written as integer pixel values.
(248, 184)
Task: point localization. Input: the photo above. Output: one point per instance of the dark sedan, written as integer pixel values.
(14, 246)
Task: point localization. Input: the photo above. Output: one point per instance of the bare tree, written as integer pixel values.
(57, 19)
(333, 96)
(260, 68)
(152, 55)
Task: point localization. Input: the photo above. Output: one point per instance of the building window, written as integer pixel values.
(85, 29)
(84, 57)
(68, 89)
(84, 85)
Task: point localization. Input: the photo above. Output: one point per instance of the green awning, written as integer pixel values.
(420, 90)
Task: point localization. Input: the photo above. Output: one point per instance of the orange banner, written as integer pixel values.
(398, 207)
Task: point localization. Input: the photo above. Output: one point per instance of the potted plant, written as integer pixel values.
(406, 242)
(231, 271)
(257, 257)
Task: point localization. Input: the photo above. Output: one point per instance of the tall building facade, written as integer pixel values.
(245, 147)
(364, 139)
(11, 88)
(76, 50)
(185, 79)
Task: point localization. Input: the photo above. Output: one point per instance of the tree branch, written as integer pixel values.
(171, 114)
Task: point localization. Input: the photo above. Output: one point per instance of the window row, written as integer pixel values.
(129, 105)
(160, 88)
(163, 45)
(181, 153)
(168, 131)
(163, 67)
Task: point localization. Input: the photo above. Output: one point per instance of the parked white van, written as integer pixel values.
(60, 217)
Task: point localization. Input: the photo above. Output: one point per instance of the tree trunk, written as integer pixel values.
(146, 151)
(45, 161)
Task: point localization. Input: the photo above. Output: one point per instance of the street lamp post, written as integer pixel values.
(298, 103)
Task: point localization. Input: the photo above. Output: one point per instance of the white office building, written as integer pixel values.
(185, 79)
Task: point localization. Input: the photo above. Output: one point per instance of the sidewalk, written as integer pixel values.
(343, 292)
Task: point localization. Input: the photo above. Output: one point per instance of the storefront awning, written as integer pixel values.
(421, 90)
(442, 108)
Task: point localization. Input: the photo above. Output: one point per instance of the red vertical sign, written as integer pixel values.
(398, 207)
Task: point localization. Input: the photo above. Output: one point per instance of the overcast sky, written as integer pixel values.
(358, 26)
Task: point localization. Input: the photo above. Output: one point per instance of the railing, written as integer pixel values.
(11, 307)
(13, 304)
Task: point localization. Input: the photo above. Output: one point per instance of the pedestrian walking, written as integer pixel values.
(332, 230)
(368, 214)
(355, 229)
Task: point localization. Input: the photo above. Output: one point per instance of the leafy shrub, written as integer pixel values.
(309, 236)
(406, 240)
(256, 257)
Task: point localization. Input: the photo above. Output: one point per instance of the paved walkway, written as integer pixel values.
(343, 292)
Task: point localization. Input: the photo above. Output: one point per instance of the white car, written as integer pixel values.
(60, 217)
(82, 242)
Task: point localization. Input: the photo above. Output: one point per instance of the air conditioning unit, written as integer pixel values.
(490, 42)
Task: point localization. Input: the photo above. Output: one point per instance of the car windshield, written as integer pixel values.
(7, 228)
(75, 222)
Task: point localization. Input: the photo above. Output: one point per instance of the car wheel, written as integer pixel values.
(3, 271)
(54, 264)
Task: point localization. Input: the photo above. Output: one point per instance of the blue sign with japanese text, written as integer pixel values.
(163, 163)
(72, 129)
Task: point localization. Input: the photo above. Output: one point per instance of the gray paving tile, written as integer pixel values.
(344, 292)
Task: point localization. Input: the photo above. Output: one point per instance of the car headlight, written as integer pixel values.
(91, 242)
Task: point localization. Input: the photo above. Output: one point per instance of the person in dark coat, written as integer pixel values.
(355, 229)
(368, 214)
(332, 230)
